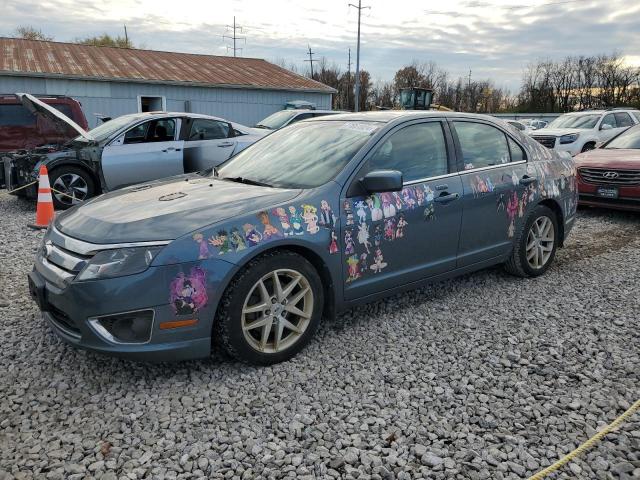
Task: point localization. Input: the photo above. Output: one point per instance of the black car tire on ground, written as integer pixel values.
(228, 330)
(517, 263)
(69, 170)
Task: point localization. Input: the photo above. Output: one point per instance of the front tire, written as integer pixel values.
(271, 309)
(75, 184)
(535, 244)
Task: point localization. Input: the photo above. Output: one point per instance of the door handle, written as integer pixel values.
(225, 144)
(446, 197)
(171, 149)
(441, 187)
(527, 180)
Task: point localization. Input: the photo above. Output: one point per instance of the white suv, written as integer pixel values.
(581, 131)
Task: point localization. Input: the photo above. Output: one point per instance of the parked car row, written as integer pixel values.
(126, 150)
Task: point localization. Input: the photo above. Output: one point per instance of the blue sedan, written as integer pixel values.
(305, 223)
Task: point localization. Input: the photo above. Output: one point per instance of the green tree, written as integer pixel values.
(106, 40)
(31, 33)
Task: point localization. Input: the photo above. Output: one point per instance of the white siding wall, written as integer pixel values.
(118, 98)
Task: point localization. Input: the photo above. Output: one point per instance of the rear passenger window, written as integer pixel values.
(610, 120)
(623, 119)
(517, 153)
(203, 129)
(482, 145)
(16, 116)
(418, 151)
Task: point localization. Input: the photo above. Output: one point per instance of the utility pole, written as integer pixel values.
(357, 94)
(469, 88)
(311, 54)
(126, 37)
(234, 37)
(349, 79)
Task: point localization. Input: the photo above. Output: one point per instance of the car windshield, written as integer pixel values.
(305, 155)
(277, 120)
(575, 121)
(627, 139)
(105, 130)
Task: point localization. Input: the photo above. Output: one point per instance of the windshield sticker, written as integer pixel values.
(188, 294)
(364, 127)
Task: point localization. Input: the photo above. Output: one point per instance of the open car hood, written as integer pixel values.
(55, 116)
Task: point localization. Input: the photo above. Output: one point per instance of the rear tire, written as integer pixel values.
(73, 181)
(262, 323)
(535, 245)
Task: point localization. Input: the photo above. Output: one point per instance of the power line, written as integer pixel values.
(311, 60)
(357, 93)
(234, 37)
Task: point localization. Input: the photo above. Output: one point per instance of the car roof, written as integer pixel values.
(307, 110)
(387, 116)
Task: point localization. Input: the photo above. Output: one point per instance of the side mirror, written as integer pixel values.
(380, 181)
(605, 126)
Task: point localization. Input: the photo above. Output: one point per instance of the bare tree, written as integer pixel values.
(31, 33)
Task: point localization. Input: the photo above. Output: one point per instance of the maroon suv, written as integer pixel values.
(609, 176)
(20, 129)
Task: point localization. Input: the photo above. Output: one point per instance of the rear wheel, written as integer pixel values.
(271, 309)
(535, 245)
(71, 186)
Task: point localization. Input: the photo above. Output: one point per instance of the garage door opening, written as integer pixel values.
(151, 104)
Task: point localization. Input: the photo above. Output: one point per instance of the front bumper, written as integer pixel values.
(628, 197)
(69, 306)
(13, 177)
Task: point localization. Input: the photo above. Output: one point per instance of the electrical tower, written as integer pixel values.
(311, 59)
(234, 37)
(357, 95)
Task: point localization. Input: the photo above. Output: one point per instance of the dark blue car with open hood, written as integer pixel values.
(307, 222)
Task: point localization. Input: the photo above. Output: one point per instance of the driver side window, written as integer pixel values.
(418, 151)
(161, 130)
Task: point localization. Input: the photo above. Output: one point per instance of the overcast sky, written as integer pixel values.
(494, 38)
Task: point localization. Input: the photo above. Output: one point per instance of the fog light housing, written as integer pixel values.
(130, 327)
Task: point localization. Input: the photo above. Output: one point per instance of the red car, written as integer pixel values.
(22, 129)
(609, 176)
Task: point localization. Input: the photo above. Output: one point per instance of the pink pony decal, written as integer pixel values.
(188, 294)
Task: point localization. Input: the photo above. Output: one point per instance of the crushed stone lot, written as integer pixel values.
(482, 377)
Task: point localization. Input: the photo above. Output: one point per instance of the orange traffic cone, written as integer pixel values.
(44, 210)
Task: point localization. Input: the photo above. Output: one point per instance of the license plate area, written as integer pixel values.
(37, 292)
(607, 192)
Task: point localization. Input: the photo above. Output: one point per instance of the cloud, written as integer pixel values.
(493, 38)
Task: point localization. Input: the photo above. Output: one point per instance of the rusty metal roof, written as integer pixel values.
(70, 60)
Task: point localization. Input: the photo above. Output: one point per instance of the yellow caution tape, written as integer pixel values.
(66, 194)
(588, 444)
(19, 188)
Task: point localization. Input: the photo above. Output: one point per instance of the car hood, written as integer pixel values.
(55, 116)
(610, 158)
(554, 132)
(165, 210)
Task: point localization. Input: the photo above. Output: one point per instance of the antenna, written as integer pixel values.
(357, 99)
(311, 60)
(234, 37)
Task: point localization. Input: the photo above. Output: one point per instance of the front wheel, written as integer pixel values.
(535, 245)
(70, 186)
(271, 309)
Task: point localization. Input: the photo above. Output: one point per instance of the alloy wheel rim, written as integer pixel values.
(73, 186)
(277, 311)
(540, 242)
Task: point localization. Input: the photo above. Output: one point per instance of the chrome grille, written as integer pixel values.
(547, 141)
(604, 176)
(70, 262)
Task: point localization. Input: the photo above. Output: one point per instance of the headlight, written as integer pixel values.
(572, 137)
(118, 263)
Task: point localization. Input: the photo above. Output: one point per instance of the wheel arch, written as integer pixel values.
(554, 206)
(328, 283)
(75, 164)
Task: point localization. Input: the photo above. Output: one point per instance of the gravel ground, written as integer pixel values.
(485, 376)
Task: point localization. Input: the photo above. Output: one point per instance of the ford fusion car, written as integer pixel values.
(309, 221)
(126, 150)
